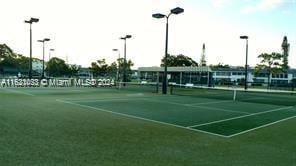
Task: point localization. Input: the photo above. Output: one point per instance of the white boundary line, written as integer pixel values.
(213, 102)
(149, 99)
(239, 117)
(204, 107)
(136, 117)
(19, 92)
(105, 99)
(266, 125)
(221, 109)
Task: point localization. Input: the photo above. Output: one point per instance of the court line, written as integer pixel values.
(140, 118)
(251, 98)
(106, 99)
(19, 92)
(239, 117)
(266, 125)
(149, 99)
(204, 107)
(213, 102)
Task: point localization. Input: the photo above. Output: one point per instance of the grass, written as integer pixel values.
(36, 129)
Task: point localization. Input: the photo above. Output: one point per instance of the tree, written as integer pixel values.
(5, 51)
(129, 65)
(73, 70)
(7, 57)
(112, 69)
(57, 67)
(23, 62)
(220, 65)
(101, 68)
(270, 63)
(285, 48)
(10, 59)
(94, 68)
(179, 60)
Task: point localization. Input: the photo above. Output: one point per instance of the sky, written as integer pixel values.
(83, 31)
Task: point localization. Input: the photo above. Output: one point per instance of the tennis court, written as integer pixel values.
(207, 110)
(211, 111)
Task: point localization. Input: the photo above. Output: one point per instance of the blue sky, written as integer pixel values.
(276, 14)
(87, 30)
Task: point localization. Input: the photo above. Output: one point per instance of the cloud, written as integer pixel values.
(263, 5)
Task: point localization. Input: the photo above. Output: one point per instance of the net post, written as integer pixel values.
(234, 94)
(119, 85)
(171, 89)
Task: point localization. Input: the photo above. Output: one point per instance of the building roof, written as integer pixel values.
(176, 69)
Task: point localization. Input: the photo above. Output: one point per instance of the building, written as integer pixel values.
(178, 75)
(237, 75)
(8, 72)
(85, 73)
(213, 76)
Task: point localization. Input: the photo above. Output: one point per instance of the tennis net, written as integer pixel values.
(285, 98)
(138, 87)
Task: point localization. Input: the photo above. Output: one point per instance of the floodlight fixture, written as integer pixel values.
(177, 10)
(34, 20)
(126, 37)
(44, 40)
(244, 37)
(158, 15)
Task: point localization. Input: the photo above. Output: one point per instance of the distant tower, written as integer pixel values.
(203, 61)
(67, 60)
(285, 48)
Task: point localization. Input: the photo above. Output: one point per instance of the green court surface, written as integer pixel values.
(88, 126)
(224, 118)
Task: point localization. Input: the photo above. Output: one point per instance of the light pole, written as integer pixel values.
(43, 41)
(246, 66)
(118, 61)
(175, 11)
(50, 50)
(124, 63)
(31, 21)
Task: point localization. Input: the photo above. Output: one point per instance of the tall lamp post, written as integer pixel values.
(124, 63)
(246, 66)
(49, 57)
(175, 11)
(43, 41)
(31, 21)
(118, 61)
